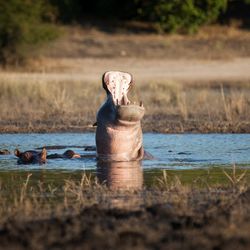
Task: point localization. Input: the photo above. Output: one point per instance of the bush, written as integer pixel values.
(23, 23)
(180, 15)
(237, 10)
(69, 10)
(77, 10)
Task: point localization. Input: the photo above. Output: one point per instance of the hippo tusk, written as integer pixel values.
(126, 100)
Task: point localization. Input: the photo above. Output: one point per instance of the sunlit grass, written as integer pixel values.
(63, 104)
(41, 198)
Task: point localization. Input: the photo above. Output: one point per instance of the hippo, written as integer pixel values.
(31, 156)
(4, 152)
(118, 132)
(68, 154)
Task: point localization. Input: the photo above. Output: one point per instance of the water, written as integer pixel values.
(183, 153)
(173, 152)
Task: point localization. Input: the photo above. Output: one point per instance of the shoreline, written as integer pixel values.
(165, 128)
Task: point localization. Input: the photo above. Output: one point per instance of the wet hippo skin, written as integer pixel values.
(68, 154)
(31, 156)
(119, 133)
(4, 152)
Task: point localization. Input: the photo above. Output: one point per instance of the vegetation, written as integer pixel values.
(185, 16)
(62, 91)
(56, 104)
(25, 23)
(87, 214)
(173, 16)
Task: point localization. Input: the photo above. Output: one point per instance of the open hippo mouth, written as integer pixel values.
(118, 132)
(117, 84)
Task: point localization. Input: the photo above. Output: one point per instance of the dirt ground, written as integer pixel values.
(202, 220)
(143, 70)
(216, 53)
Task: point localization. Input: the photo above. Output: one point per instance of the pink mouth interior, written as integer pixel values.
(118, 84)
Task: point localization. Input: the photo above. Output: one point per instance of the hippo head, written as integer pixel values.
(117, 85)
(119, 134)
(69, 154)
(31, 156)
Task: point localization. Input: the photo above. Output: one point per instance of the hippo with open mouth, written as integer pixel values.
(119, 133)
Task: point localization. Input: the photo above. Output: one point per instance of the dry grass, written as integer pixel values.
(87, 214)
(197, 83)
(214, 42)
(37, 105)
(38, 199)
(29, 200)
(61, 105)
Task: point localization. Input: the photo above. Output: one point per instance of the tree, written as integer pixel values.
(22, 23)
(180, 15)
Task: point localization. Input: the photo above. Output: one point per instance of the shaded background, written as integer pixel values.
(25, 22)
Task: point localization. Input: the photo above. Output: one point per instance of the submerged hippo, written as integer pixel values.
(119, 133)
(68, 154)
(31, 156)
(4, 152)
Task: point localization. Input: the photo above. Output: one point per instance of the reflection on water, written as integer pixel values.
(124, 177)
(187, 155)
(172, 152)
(120, 175)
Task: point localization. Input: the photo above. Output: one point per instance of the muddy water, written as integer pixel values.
(187, 155)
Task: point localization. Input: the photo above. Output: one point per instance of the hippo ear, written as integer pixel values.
(104, 81)
(17, 152)
(44, 154)
(105, 77)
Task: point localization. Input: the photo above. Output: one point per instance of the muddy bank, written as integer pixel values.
(163, 124)
(154, 123)
(215, 219)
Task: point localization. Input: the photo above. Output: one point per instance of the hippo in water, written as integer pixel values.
(31, 156)
(4, 152)
(119, 133)
(68, 154)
